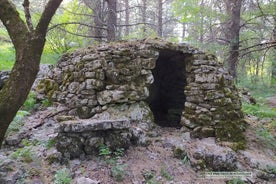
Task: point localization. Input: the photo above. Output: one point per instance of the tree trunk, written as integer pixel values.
(273, 65)
(144, 16)
(127, 17)
(28, 46)
(160, 18)
(97, 9)
(98, 21)
(111, 20)
(183, 31)
(232, 33)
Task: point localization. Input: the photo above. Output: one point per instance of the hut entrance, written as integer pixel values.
(167, 96)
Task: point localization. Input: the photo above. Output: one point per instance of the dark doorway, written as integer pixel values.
(167, 96)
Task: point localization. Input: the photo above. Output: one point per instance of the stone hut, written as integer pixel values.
(135, 85)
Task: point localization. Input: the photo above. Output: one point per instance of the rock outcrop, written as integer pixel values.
(146, 83)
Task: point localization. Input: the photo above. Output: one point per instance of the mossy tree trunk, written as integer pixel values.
(29, 44)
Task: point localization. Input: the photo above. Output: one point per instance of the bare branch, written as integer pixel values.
(26, 5)
(123, 10)
(46, 17)
(76, 34)
(136, 24)
(79, 14)
(259, 47)
(78, 23)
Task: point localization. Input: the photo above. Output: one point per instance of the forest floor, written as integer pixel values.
(34, 159)
(271, 102)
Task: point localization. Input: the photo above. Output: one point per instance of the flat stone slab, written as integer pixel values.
(88, 125)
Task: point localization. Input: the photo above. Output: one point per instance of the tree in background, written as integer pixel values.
(232, 34)
(28, 41)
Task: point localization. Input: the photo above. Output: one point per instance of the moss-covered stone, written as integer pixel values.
(118, 81)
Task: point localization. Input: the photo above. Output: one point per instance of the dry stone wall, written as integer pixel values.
(113, 82)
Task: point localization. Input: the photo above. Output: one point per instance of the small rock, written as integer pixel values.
(84, 180)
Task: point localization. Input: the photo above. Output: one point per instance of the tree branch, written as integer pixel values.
(10, 17)
(79, 23)
(26, 5)
(48, 13)
(263, 46)
(136, 24)
(81, 35)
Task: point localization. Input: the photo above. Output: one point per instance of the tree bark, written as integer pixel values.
(144, 16)
(232, 34)
(111, 20)
(160, 18)
(97, 7)
(28, 45)
(127, 17)
(273, 65)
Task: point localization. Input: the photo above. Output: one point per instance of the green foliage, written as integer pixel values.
(140, 34)
(258, 110)
(150, 177)
(104, 151)
(30, 102)
(118, 171)
(46, 103)
(185, 160)
(166, 175)
(25, 154)
(17, 122)
(236, 181)
(119, 152)
(62, 177)
(266, 137)
(7, 55)
(50, 143)
(112, 159)
(63, 38)
(271, 169)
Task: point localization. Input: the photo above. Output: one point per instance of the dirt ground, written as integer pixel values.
(153, 164)
(271, 102)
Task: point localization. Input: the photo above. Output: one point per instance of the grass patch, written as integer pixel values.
(30, 102)
(259, 110)
(7, 55)
(62, 177)
(112, 158)
(17, 122)
(265, 136)
(49, 58)
(25, 153)
(166, 175)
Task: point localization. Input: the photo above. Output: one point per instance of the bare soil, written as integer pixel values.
(271, 102)
(153, 164)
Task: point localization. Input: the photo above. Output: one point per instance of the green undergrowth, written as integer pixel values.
(29, 105)
(260, 110)
(113, 159)
(7, 55)
(63, 176)
(17, 122)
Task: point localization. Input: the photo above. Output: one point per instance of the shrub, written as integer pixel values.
(62, 177)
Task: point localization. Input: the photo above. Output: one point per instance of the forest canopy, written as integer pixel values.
(240, 32)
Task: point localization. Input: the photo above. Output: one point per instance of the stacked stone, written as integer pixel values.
(89, 81)
(212, 106)
(111, 82)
